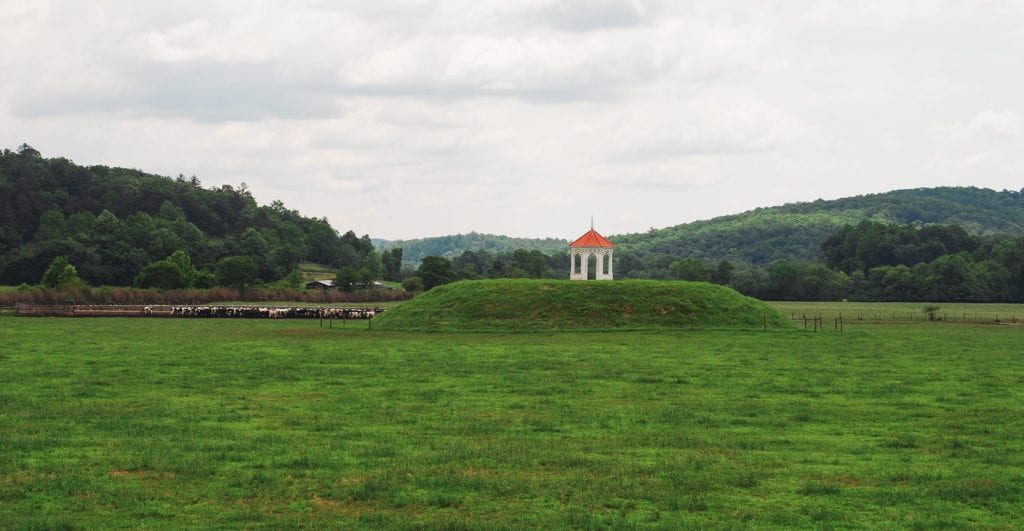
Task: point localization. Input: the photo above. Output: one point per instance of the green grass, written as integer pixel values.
(312, 271)
(111, 423)
(536, 305)
(902, 311)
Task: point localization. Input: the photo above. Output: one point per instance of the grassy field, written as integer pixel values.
(902, 311)
(311, 271)
(222, 423)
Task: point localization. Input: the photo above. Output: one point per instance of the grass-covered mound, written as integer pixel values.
(529, 305)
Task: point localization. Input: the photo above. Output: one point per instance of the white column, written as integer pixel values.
(574, 273)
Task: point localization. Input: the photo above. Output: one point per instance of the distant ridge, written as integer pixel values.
(796, 231)
(793, 231)
(451, 246)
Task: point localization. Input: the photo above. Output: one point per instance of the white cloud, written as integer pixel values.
(988, 145)
(410, 118)
(985, 125)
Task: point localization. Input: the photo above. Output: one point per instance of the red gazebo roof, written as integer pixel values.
(591, 239)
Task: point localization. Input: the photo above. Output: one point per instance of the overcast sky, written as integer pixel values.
(406, 119)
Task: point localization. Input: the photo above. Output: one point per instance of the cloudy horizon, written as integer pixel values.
(410, 119)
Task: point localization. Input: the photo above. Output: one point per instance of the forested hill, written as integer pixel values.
(112, 223)
(796, 231)
(761, 236)
(452, 246)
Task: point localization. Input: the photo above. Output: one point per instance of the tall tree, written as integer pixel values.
(237, 271)
(392, 263)
(435, 271)
(162, 274)
(60, 273)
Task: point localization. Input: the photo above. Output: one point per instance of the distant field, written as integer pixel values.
(219, 423)
(902, 311)
(311, 271)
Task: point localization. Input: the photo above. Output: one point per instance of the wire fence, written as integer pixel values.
(891, 317)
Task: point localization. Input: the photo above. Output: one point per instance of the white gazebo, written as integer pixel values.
(581, 250)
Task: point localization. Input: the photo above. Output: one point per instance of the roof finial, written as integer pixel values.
(591, 222)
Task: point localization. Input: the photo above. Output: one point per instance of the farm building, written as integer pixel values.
(328, 285)
(320, 285)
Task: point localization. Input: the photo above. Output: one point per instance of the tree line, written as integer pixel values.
(878, 261)
(795, 232)
(869, 260)
(480, 264)
(62, 224)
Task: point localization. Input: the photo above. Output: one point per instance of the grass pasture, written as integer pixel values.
(109, 423)
(881, 312)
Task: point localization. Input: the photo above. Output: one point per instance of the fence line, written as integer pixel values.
(955, 317)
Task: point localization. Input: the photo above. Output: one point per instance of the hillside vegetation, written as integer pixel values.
(796, 231)
(452, 246)
(761, 236)
(112, 224)
(529, 305)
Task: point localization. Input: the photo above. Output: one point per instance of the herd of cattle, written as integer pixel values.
(244, 312)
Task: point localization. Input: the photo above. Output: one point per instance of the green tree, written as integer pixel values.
(181, 259)
(692, 269)
(9, 239)
(366, 277)
(723, 272)
(374, 265)
(293, 280)
(322, 242)
(60, 273)
(362, 246)
(435, 271)
(28, 151)
(169, 212)
(473, 264)
(162, 274)
(204, 279)
(79, 225)
(894, 283)
(412, 284)
(237, 271)
(784, 280)
(51, 226)
(348, 256)
(118, 261)
(391, 261)
(532, 263)
(346, 278)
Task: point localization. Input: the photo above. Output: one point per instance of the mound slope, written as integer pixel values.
(532, 305)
